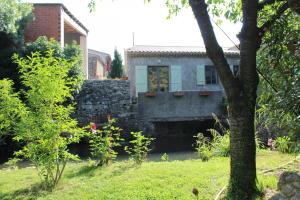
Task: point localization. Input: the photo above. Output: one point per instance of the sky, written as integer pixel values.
(114, 21)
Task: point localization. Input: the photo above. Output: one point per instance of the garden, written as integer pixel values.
(40, 80)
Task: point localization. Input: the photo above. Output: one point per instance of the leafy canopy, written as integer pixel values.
(12, 13)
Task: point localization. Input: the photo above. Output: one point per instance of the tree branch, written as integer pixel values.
(264, 28)
(264, 3)
(214, 51)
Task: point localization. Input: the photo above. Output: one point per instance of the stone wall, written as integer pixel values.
(100, 98)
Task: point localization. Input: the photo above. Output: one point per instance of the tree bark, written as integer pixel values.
(241, 94)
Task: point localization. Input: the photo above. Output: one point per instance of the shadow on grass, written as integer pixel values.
(83, 171)
(120, 169)
(33, 192)
(89, 171)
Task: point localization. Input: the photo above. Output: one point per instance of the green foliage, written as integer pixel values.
(285, 145)
(279, 59)
(10, 107)
(140, 147)
(165, 157)
(116, 70)
(12, 12)
(202, 147)
(282, 144)
(71, 53)
(220, 144)
(43, 116)
(103, 142)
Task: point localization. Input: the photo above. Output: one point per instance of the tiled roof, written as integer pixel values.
(173, 50)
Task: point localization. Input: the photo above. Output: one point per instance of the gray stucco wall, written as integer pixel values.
(189, 107)
(188, 66)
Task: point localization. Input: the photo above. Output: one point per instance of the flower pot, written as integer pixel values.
(204, 93)
(178, 94)
(150, 94)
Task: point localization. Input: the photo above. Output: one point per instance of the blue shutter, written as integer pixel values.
(141, 79)
(176, 80)
(200, 75)
(231, 68)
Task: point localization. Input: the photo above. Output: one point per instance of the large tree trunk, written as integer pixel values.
(242, 184)
(241, 94)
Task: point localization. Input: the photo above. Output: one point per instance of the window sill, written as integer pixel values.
(178, 94)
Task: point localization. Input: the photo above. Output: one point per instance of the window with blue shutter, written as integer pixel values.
(176, 80)
(200, 75)
(141, 79)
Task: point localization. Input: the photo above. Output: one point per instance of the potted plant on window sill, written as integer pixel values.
(204, 93)
(150, 94)
(178, 94)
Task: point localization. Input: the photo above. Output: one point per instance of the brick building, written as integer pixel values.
(54, 20)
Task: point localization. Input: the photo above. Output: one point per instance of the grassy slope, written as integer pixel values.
(153, 180)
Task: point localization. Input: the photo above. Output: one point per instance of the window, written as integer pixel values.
(211, 76)
(158, 78)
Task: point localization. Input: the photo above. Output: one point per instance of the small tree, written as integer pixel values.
(116, 66)
(45, 125)
(140, 147)
(104, 141)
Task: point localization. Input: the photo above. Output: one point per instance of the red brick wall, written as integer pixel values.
(46, 23)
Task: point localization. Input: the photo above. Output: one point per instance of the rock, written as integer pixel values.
(289, 187)
(287, 190)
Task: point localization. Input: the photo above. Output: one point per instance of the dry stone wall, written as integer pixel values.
(100, 98)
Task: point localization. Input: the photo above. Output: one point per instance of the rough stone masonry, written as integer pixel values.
(99, 99)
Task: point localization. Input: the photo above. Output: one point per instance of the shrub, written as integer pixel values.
(140, 147)
(220, 145)
(202, 147)
(284, 145)
(165, 157)
(44, 117)
(103, 142)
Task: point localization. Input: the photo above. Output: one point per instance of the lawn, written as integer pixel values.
(153, 180)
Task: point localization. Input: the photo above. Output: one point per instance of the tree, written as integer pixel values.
(116, 66)
(241, 90)
(279, 103)
(44, 124)
(14, 16)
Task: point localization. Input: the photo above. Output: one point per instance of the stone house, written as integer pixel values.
(99, 65)
(54, 20)
(176, 85)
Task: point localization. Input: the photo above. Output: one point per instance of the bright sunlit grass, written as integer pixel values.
(153, 180)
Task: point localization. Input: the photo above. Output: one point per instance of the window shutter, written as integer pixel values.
(141, 79)
(231, 68)
(176, 80)
(200, 75)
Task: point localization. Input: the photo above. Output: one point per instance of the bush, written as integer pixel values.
(103, 142)
(43, 118)
(285, 145)
(140, 147)
(71, 53)
(202, 147)
(164, 157)
(220, 145)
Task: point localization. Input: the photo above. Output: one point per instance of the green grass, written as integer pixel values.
(153, 180)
